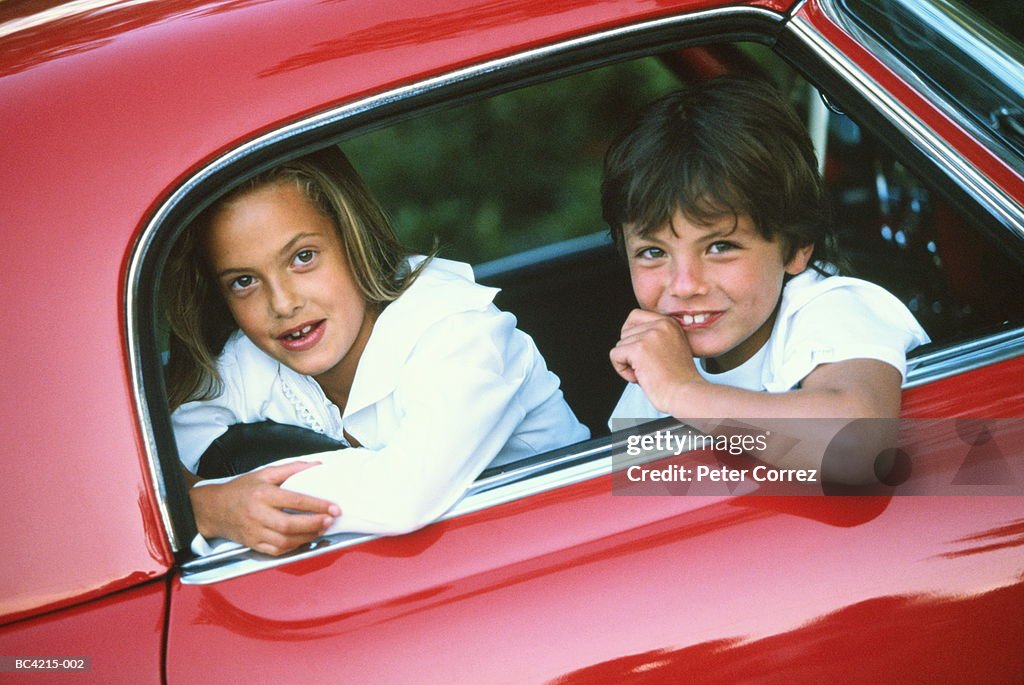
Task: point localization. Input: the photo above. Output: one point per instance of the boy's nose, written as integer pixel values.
(686, 278)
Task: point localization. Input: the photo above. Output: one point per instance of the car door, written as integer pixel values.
(549, 572)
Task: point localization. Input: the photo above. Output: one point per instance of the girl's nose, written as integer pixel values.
(283, 300)
(686, 278)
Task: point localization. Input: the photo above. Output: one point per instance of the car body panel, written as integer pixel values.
(121, 635)
(651, 589)
(109, 108)
(121, 134)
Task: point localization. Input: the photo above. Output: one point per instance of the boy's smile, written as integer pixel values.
(721, 282)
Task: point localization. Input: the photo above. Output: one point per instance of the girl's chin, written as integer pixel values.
(308, 367)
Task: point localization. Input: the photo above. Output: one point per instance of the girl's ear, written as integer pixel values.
(798, 262)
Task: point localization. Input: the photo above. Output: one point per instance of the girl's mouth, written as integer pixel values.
(303, 337)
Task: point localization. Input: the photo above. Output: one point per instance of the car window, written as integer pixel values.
(509, 173)
(510, 183)
(974, 64)
(522, 170)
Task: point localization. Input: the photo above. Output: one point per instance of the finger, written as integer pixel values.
(647, 323)
(634, 319)
(620, 362)
(284, 523)
(289, 499)
(276, 544)
(640, 317)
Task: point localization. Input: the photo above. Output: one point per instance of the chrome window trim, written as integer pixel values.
(962, 37)
(325, 120)
(536, 476)
(965, 356)
(519, 482)
(989, 195)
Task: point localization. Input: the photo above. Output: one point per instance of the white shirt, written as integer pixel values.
(446, 385)
(821, 320)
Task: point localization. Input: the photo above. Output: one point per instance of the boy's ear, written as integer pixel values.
(798, 262)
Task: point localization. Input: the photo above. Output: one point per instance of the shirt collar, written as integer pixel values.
(441, 289)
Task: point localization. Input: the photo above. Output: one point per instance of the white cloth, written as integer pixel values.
(821, 319)
(446, 385)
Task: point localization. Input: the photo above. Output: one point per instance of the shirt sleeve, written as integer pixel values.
(197, 424)
(862, 321)
(458, 392)
(632, 409)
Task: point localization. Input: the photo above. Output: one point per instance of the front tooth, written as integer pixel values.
(307, 329)
(687, 320)
(700, 318)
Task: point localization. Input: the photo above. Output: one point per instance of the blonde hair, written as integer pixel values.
(199, 320)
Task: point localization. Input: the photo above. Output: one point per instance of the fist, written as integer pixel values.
(653, 352)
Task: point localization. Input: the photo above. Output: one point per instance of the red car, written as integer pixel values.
(121, 119)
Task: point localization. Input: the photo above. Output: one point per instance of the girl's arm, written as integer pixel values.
(250, 509)
(461, 395)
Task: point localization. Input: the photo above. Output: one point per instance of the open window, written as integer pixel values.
(502, 166)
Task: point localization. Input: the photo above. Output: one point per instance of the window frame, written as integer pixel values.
(572, 464)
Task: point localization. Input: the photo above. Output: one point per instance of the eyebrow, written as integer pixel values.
(288, 247)
(708, 234)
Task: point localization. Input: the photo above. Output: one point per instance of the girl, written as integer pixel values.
(296, 304)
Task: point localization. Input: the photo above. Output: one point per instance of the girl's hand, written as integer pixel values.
(653, 352)
(250, 510)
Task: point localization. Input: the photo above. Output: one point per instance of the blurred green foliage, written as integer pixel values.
(510, 172)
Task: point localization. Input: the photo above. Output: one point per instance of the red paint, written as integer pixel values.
(574, 584)
(122, 635)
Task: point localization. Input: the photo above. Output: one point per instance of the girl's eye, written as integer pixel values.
(242, 282)
(721, 246)
(304, 257)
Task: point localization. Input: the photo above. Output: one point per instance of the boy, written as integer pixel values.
(715, 199)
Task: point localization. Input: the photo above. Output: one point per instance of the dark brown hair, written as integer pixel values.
(727, 146)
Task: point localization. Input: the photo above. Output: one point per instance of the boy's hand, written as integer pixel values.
(249, 510)
(653, 352)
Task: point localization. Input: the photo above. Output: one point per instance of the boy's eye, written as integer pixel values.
(650, 253)
(721, 246)
(304, 257)
(242, 282)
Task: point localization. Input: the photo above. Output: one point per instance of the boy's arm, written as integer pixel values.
(850, 389)
(653, 352)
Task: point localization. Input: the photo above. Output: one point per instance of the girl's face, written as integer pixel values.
(720, 282)
(282, 269)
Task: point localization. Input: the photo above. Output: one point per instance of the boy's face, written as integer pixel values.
(721, 282)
